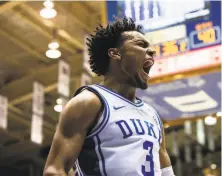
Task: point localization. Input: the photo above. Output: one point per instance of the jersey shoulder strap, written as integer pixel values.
(156, 116)
(103, 118)
(98, 90)
(157, 120)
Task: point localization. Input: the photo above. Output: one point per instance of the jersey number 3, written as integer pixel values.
(148, 170)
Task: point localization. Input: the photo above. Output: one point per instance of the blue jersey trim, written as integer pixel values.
(88, 159)
(97, 129)
(103, 169)
(157, 115)
(159, 120)
(76, 173)
(79, 169)
(139, 104)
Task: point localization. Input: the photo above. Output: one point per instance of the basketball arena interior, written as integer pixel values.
(44, 60)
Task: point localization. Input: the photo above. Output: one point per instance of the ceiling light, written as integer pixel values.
(48, 13)
(53, 53)
(219, 114)
(209, 120)
(53, 45)
(37, 138)
(166, 125)
(213, 166)
(59, 101)
(58, 108)
(48, 4)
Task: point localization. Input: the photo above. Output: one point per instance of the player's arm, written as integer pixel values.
(165, 162)
(77, 116)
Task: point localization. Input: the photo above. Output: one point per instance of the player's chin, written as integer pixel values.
(143, 85)
(143, 81)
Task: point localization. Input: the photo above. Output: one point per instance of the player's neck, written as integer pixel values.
(124, 90)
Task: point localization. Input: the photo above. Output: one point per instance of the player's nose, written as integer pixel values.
(151, 51)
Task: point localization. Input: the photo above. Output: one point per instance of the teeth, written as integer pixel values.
(148, 64)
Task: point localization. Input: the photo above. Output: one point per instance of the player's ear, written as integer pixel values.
(114, 53)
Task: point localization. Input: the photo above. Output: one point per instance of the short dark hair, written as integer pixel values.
(105, 38)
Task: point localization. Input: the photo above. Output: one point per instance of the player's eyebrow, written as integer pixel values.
(142, 40)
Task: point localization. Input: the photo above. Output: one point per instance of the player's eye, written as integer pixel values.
(143, 44)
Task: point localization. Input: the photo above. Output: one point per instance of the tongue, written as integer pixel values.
(147, 64)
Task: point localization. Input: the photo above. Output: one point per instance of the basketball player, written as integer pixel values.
(105, 129)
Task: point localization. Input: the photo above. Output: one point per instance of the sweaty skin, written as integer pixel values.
(76, 118)
(125, 74)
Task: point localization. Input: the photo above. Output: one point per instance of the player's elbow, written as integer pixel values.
(53, 171)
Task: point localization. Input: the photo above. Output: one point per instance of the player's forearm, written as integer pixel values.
(164, 158)
(165, 163)
(53, 174)
(51, 171)
(168, 171)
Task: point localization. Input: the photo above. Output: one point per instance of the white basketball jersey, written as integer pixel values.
(124, 142)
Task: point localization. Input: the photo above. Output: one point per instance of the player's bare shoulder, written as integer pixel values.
(76, 117)
(81, 111)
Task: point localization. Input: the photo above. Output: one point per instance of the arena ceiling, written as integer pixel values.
(24, 38)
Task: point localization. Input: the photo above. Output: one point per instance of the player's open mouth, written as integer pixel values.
(147, 66)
